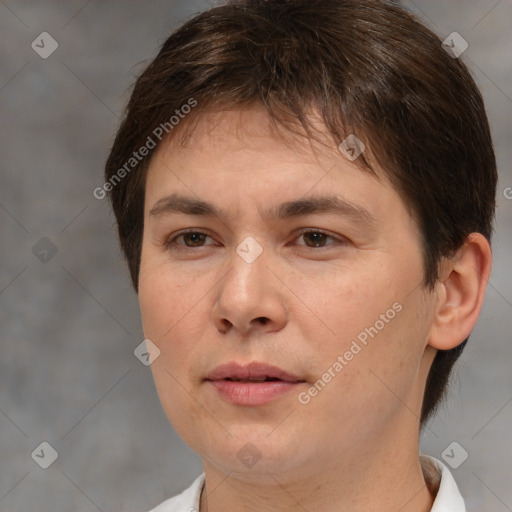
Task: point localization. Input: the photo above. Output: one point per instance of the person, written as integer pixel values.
(304, 193)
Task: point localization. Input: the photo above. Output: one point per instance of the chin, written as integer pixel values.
(254, 453)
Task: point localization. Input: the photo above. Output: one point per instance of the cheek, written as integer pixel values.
(338, 310)
(162, 313)
(171, 321)
(177, 401)
(174, 311)
(165, 299)
(372, 321)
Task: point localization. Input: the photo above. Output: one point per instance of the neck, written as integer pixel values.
(380, 477)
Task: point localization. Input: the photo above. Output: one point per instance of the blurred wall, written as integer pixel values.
(69, 318)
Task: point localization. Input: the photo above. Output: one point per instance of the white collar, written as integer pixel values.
(448, 498)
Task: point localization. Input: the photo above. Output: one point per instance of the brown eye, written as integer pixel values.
(191, 240)
(195, 238)
(316, 237)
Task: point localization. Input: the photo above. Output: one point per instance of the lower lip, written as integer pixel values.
(252, 393)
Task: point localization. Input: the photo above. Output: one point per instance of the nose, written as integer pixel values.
(249, 297)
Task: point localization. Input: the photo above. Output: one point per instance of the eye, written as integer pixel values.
(317, 238)
(314, 238)
(196, 239)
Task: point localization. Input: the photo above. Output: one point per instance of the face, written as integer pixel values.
(327, 292)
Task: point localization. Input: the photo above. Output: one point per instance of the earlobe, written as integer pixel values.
(460, 292)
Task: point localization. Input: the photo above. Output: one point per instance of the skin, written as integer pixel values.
(354, 446)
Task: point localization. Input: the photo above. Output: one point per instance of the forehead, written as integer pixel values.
(251, 128)
(243, 148)
(242, 131)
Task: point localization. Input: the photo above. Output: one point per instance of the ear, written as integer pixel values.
(460, 292)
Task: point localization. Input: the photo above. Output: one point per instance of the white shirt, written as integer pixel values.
(448, 498)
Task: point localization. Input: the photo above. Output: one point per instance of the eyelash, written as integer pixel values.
(170, 243)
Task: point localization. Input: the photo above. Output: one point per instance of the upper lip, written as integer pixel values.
(254, 369)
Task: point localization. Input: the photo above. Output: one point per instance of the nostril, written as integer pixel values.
(263, 319)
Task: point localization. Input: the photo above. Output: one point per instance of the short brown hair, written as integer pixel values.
(370, 68)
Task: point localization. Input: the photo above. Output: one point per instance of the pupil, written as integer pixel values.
(195, 237)
(317, 238)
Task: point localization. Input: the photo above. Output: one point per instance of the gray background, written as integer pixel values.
(69, 326)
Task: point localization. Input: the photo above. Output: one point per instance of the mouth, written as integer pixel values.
(253, 384)
(252, 372)
(253, 379)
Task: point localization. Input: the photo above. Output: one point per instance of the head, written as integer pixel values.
(245, 107)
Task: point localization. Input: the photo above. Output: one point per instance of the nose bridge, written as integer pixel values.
(248, 293)
(247, 278)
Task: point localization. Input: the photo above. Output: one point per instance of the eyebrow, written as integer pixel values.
(177, 203)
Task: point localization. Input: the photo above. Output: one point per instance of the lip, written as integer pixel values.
(252, 393)
(254, 369)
